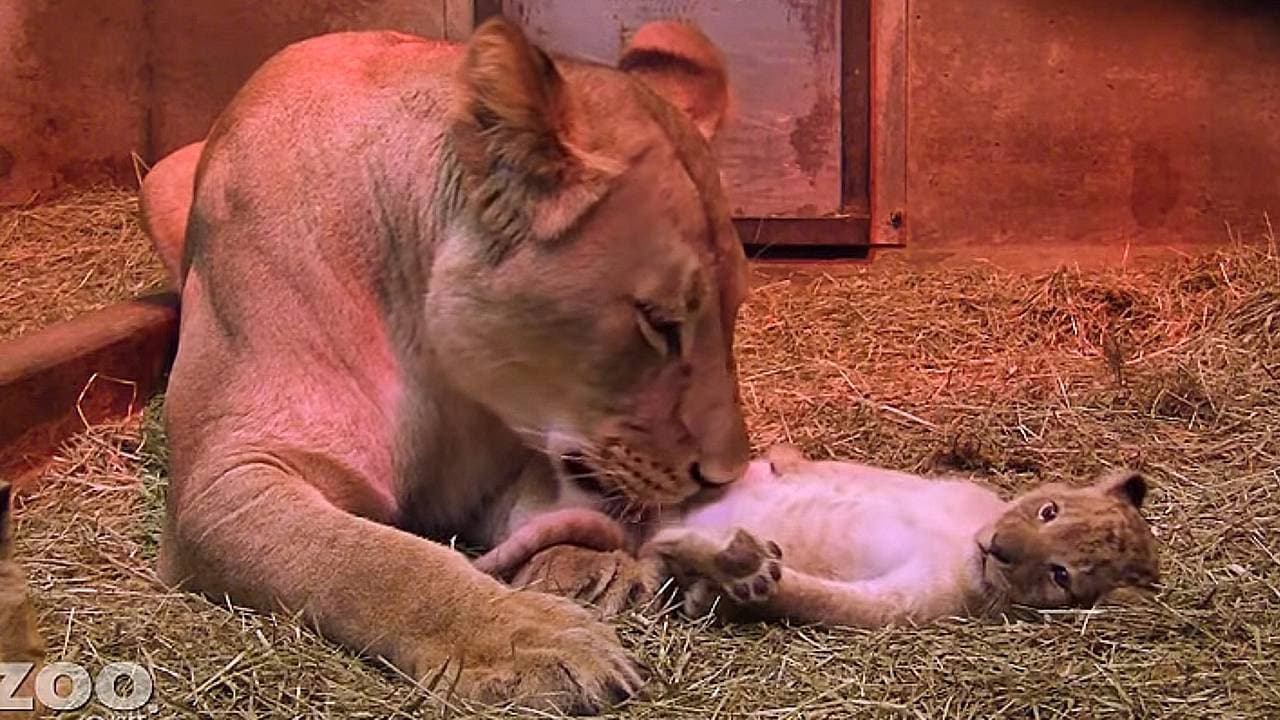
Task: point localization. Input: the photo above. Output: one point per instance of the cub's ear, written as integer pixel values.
(6, 544)
(1128, 485)
(679, 63)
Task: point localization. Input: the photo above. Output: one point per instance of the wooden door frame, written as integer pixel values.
(873, 139)
(890, 221)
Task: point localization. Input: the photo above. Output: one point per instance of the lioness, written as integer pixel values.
(849, 544)
(413, 274)
(20, 640)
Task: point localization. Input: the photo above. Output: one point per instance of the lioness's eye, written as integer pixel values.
(1048, 511)
(1061, 577)
(662, 333)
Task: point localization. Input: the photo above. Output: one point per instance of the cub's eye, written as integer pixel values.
(1060, 576)
(660, 332)
(1048, 511)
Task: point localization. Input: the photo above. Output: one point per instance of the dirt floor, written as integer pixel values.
(1012, 378)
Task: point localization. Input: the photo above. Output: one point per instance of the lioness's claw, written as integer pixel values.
(543, 652)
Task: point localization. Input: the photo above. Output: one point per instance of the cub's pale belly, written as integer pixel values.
(823, 530)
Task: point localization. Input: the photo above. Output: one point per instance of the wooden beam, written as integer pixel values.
(98, 367)
(890, 220)
(459, 19)
(485, 9)
(855, 102)
(802, 232)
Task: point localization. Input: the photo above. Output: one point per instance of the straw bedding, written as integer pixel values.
(62, 259)
(1011, 378)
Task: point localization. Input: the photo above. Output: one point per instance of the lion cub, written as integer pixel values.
(848, 544)
(20, 642)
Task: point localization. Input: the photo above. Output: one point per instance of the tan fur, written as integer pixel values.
(20, 640)
(165, 206)
(866, 546)
(848, 544)
(415, 275)
(700, 88)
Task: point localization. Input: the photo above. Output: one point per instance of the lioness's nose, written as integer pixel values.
(712, 473)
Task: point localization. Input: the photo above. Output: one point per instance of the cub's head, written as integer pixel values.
(1061, 546)
(589, 277)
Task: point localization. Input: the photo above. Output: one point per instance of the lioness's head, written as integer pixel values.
(589, 279)
(1062, 546)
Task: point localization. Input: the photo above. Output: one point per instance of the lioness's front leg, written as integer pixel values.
(267, 538)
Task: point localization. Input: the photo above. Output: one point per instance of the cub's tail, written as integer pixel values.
(167, 192)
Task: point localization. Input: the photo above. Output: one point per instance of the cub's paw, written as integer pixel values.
(608, 582)
(748, 570)
(538, 651)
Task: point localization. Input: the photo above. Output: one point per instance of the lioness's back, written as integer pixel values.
(352, 68)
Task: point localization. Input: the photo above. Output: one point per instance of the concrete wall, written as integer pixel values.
(1028, 121)
(72, 93)
(203, 51)
(84, 85)
(1032, 121)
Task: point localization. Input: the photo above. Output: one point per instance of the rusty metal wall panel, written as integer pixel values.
(1039, 123)
(781, 155)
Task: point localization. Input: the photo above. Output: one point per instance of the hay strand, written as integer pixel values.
(1008, 377)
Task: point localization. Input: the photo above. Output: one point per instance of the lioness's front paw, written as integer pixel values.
(610, 582)
(539, 651)
(748, 569)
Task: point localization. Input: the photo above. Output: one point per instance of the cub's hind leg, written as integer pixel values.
(743, 578)
(743, 569)
(867, 604)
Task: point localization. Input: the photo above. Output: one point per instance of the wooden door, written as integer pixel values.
(794, 158)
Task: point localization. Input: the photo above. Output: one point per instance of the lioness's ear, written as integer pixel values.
(515, 97)
(525, 175)
(1128, 485)
(678, 62)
